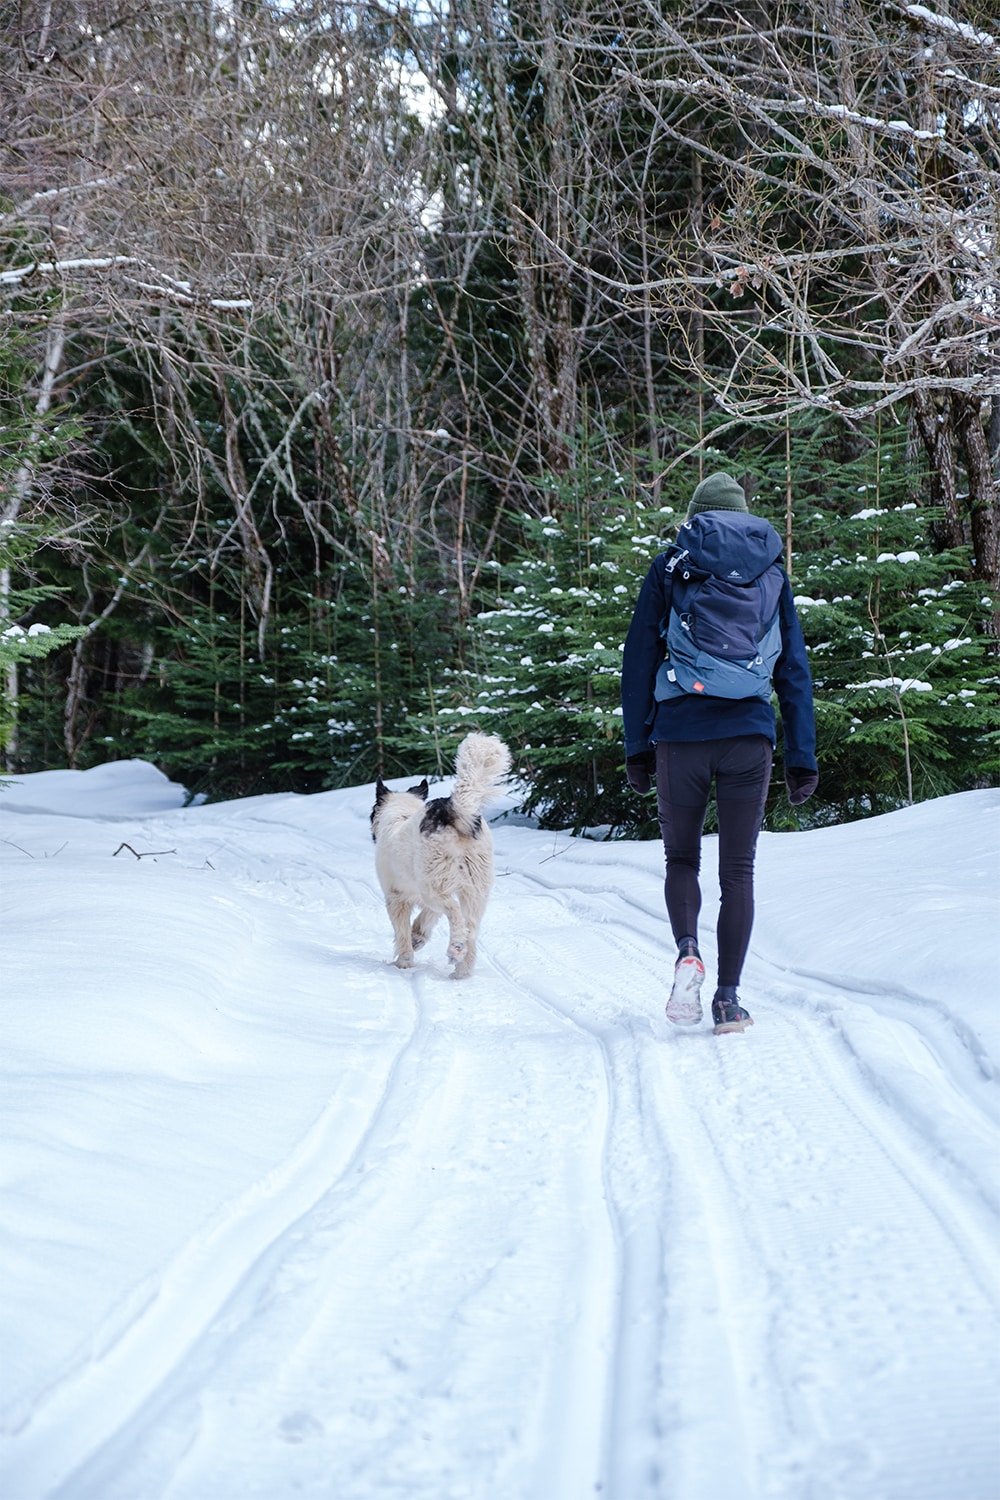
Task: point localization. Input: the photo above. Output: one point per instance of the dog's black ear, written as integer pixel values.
(381, 792)
(420, 790)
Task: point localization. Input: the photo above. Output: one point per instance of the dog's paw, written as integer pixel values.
(463, 956)
(404, 961)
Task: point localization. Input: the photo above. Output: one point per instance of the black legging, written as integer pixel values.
(741, 768)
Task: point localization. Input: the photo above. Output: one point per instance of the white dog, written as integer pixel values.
(438, 855)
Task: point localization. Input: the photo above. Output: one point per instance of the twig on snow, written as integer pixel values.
(146, 854)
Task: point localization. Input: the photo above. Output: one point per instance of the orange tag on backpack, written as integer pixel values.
(699, 687)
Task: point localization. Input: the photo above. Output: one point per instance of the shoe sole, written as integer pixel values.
(684, 1005)
(724, 1027)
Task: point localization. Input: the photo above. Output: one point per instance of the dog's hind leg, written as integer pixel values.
(472, 906)
(399, 915)
(458, 938)
(423, 927)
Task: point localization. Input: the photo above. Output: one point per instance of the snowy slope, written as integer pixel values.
(280, 1220)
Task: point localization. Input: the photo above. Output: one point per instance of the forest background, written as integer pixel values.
(357, 359)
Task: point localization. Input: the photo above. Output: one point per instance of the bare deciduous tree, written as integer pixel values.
(847, 258)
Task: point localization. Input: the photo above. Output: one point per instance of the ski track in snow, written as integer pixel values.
(793, 1171)
(541, 1245)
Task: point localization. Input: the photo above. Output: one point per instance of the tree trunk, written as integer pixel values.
(983, 497)
(55, 343)
(934, 424)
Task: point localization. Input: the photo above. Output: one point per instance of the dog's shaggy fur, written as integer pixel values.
(438, 855)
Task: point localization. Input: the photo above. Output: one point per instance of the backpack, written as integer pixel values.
(722, 630)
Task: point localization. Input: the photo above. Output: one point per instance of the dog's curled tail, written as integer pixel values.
(481, 763)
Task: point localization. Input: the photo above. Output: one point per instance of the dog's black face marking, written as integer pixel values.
(441, 814)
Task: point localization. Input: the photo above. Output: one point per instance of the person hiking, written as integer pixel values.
(696, 707)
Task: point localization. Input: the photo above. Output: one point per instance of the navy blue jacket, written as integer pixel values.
(692, 717)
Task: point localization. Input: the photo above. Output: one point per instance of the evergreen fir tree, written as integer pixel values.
(904, 675)
(546, 659)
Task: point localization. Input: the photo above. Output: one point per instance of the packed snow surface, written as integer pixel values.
(279, 1219)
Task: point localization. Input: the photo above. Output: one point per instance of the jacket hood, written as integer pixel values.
(729, 544)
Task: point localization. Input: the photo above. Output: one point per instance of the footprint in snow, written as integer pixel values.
(298, 1426)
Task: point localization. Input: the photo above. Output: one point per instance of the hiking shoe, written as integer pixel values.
(684, 1005)
(729, 1015)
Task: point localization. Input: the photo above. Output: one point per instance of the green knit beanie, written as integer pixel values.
(717, 492)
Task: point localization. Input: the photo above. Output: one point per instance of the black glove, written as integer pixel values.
(640, 770)
(801, 784)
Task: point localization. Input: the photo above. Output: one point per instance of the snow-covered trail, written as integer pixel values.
(515, 1236)
(823, 1291)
